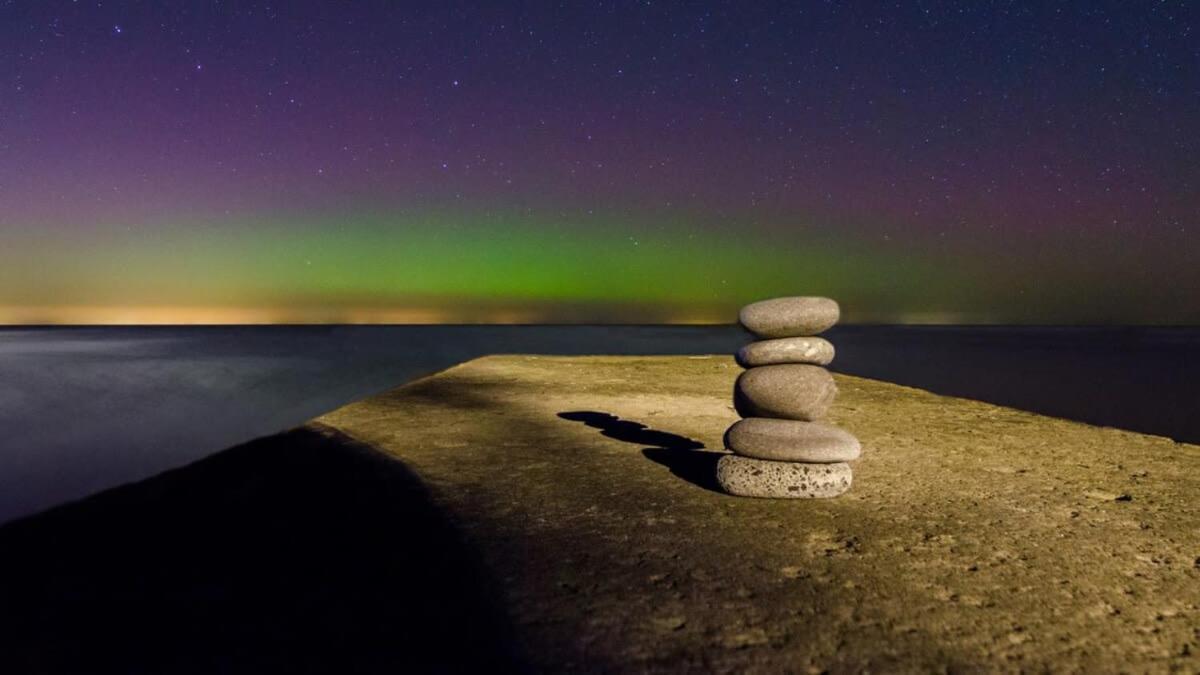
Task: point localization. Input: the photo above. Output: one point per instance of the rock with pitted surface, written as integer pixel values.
(749, 477)
(797, 316)
(779, 451)
(791, 441)
(789, 391)
(814, 350)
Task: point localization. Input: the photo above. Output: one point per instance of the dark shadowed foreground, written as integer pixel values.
(302, 552)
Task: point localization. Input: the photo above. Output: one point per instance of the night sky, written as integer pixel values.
(598, 161)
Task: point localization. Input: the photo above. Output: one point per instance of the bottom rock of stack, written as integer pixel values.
(748, 477)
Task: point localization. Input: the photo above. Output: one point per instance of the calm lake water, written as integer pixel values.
(84, 409)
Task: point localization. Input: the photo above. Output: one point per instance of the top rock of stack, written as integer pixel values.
(789, 317)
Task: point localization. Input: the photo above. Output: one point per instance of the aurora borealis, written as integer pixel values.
(376, 161)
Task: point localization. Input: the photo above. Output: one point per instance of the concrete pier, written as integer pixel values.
(974, 537)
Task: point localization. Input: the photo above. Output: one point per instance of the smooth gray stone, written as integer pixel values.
(813, 350)
(791, 441)
(748, 477)
(798, 316)
(790, 391)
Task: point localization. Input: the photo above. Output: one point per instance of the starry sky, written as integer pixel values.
(979, 162)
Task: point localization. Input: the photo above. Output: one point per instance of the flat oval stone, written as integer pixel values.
(797, 316)
(748, 477)
(791, 441)
(785, 350)
(790, 391)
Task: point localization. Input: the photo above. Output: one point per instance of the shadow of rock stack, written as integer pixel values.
(780, 449)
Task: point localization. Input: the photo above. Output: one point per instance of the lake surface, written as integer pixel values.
(84, 409)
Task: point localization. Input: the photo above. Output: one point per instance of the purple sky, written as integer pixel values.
(1052, 146)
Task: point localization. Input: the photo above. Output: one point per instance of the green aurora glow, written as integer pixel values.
(483, 266)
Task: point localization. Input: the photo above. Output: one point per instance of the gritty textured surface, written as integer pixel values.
(976, 538)
(791, 441)
(748, 477)
(789, 317)
(789, 391)
(814, 350)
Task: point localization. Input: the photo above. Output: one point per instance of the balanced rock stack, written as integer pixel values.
(779, 448)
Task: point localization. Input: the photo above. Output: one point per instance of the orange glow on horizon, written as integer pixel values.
(418, 314)
(136, 316)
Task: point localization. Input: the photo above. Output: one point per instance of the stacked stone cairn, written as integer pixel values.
(780, 449)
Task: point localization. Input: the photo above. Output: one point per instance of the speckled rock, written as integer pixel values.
(813, 350)
(789, 317)
(748, 477)
(791, 441)
(789, 391)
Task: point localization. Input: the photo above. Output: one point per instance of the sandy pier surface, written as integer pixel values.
(975, 536)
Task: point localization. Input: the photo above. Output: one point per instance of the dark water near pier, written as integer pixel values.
(83, 409)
